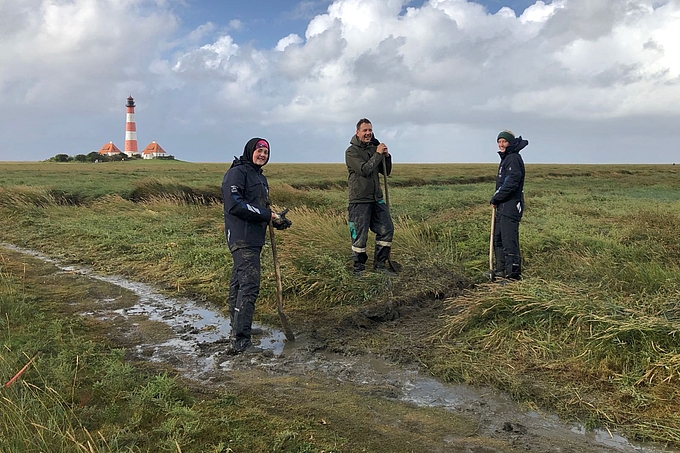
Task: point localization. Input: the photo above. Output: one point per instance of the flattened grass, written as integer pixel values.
(609, 361)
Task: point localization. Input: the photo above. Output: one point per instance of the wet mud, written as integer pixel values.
(192, 338)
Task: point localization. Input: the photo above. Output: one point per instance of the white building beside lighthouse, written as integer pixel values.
(155, 151)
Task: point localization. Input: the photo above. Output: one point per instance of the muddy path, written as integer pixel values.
(190, 338)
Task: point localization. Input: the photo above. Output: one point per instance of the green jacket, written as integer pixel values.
(363, 165)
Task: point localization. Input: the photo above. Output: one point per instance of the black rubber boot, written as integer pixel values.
(513, 266)
(383, 268)
(499, 270)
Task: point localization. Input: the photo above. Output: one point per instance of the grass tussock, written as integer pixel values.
(170, 190)
(573, 338)
(325, 279)
(316, 262)
(290, 196)
(12, 198)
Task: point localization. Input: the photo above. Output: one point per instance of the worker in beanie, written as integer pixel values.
(245, 193)
(508, 202)
(367, 208)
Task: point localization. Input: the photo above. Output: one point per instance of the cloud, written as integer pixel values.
(287, 41)
(235, 24)
(75, 51)
(446, 68)
(202, 31)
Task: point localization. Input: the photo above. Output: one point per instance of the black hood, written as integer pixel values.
(248, 150)
(517, 145)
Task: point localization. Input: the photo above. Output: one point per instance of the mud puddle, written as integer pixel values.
(194, 338)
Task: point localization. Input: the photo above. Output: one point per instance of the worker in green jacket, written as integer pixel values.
(367, 207)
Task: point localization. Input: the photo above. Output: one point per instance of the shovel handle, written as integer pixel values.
(288, 332)
(387, 194)
(493, 227)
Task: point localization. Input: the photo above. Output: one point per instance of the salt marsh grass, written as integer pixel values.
(591, 331)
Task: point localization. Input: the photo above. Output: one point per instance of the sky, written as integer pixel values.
(585, 81)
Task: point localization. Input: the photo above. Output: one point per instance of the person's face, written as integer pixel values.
(502, 144)
(260, 156)
(365, 132)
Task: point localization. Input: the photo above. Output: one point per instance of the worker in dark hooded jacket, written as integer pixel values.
(508, 202)
(367, 207)
(245, 193)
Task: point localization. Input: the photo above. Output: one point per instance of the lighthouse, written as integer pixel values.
(130, 128)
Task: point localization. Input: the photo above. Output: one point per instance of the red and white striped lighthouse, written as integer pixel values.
(130, 128)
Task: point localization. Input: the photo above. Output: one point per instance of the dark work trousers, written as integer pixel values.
(506, 247)
(244, 288)
(376, 218)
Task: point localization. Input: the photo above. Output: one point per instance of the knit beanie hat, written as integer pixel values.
(506, 134)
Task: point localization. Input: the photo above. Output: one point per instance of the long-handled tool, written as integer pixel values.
(387, 194)
(394, 266)
(493, 227)
(288, 332)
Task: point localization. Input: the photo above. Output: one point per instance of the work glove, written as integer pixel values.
(280, 221)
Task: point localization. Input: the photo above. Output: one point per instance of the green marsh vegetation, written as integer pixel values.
(592, 332)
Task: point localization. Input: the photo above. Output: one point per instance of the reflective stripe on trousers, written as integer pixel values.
(365, 217)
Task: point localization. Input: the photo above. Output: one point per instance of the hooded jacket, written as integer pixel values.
(509, 195)
(245, 194)
(363, 165)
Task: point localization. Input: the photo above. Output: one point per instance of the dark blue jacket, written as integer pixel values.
(509, 195)
(245, 194)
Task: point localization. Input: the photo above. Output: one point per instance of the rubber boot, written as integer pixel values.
(513, 266)
(359, 269)
(384, 268)
(499, 256)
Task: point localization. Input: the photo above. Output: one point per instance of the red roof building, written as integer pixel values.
(109, 149)
(154, 151)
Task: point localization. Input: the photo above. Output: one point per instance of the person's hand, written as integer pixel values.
(279, 221)
(282, 224)
(382, 149)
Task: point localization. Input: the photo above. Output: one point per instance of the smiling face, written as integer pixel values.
(260, 156)
(502, 144)
(365, 132)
